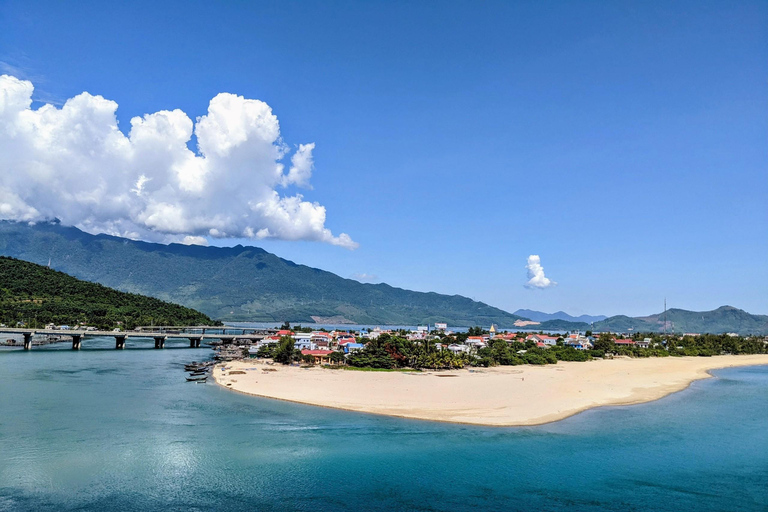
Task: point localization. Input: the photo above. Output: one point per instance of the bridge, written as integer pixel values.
(226, 336)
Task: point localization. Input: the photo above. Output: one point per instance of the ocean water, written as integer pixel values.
(108, 430)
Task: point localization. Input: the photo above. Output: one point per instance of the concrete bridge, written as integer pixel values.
(120, 336)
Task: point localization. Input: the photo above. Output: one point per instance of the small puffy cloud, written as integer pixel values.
(365, 278)
(194, 240)
(536, 277)
(73, 163)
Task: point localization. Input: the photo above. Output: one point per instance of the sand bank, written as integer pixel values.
(500, 396)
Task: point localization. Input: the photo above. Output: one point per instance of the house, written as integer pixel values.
(542, 345)
(320, 356)
(540, 338)
(322, 339)
(457, 348)
(345, 337)
(304, 336)
(304, 344)
(477, 341)
(284, 332)
(646, 343)
(372, 335)
(352, 347)
(624, 342)
(578, 342)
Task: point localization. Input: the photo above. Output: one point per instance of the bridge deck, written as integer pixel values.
(128, 334)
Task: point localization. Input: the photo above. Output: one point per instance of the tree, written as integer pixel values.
(284, 351)
(337, 357)
(605, 343)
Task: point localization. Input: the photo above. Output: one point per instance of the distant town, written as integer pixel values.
(439, 347)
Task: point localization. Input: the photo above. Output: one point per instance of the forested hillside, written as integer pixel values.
(235, 283)
(37, 295)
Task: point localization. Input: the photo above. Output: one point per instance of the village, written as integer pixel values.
(324, 347)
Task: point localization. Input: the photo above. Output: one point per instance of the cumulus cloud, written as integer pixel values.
(536, 277)
(73, 163)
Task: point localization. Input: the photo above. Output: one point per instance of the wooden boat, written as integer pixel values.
(199, 378)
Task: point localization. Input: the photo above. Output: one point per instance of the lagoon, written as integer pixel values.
(100, 429)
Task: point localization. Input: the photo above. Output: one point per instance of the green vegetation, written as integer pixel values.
(391, 352)
(397, 353)
(394, 352)
(35, 296)
(725, 319)
(285, 352)
(234, 283)
(250, 284)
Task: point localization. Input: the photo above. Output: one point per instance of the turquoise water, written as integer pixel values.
(108, 430)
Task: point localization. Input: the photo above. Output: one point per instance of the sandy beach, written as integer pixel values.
(500, 396)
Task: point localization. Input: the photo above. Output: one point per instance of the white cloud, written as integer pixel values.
(73, 163)
(536, 277)
(302, 164)
(194, 240)
(365, 278)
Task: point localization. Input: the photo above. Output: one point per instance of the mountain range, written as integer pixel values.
(538, 316)
(236, 283)
(250, 284)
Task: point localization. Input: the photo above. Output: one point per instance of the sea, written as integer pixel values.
(106, 430)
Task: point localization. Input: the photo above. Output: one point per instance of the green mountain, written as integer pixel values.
(236, 283)
(721, 320)
(37, 295)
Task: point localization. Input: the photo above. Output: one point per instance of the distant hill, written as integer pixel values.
(35, 294)
(538, 316)
(721, 320)
(236, 283)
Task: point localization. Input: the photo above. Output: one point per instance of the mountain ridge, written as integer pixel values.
(235, 283)
(725, 319)
(246, 283)
(539, 316)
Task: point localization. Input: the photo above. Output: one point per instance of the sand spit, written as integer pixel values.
(500, 396)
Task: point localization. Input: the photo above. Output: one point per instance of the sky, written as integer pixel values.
(592, 157)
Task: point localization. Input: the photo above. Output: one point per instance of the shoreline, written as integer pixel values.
(502, 396)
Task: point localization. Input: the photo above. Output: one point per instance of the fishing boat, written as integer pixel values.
(198, 379)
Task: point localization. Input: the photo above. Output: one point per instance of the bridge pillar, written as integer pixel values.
(159, 341)
(227, 340)
(27, 340)
(194, 342)
(76, 339)
(119, 342)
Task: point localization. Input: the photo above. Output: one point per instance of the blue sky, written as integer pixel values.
(622, 142)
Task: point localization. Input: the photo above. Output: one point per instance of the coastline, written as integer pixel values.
(502, 396)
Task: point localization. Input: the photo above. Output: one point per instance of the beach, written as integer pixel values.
(498, 396)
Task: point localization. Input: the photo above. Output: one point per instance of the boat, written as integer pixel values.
(198, 379)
